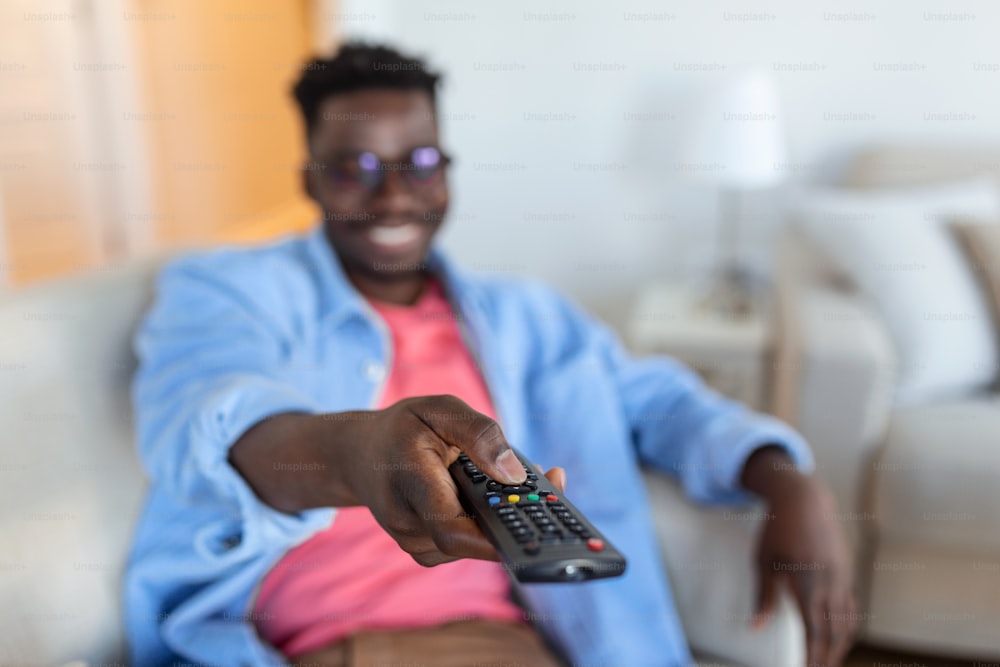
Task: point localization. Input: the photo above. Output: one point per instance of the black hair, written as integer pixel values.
(357, 66)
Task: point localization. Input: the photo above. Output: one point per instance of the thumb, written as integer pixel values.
(558, 478)
(767, 596)
(480, 437)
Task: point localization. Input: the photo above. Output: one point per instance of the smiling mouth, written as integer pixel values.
(397, 236)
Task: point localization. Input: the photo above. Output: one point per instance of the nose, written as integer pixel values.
(393, 194)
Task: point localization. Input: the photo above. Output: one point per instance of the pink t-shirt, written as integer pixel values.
(352, 575)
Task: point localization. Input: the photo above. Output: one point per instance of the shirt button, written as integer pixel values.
(374, 370)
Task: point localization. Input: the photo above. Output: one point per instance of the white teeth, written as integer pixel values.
(395, 235)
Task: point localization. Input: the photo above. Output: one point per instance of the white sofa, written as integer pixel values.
(71, 488)
(928, 585)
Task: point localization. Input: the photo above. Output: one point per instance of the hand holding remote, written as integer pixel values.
(400, 471)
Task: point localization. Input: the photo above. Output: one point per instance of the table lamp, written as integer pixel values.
(735, 142)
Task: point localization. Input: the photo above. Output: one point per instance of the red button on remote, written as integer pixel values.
(595, 544)
(552, 498)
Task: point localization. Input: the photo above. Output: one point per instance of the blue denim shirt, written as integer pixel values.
(238, 334)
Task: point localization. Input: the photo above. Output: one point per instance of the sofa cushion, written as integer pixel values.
(981, 242)
(936, 480)
(896, 248)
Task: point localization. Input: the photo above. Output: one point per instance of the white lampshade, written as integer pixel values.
(736, 138)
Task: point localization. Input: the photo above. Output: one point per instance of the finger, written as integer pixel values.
(817, 635)
(558, 478)
(807, 595)
(434, 499)
(842, 629)
(767, 596)
(474, 433)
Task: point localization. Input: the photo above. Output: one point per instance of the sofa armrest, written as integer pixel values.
(708, 553)
(834, 377)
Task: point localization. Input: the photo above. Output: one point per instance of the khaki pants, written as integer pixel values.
(474, 643)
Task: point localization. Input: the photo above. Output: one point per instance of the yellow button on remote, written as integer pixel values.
(513, 498)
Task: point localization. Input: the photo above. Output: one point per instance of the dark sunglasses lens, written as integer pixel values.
(370, 170)
(427, 161)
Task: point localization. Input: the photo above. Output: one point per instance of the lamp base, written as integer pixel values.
(732, 294)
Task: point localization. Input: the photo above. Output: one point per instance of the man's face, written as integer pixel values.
(381, 210)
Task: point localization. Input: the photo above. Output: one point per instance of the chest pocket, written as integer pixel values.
(339, 369)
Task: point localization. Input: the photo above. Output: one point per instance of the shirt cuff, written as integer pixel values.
(732, 446)
(249, 524)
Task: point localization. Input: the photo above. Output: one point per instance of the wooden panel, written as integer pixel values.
(226, 138)
(217, 137)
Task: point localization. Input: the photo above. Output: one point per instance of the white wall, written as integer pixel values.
(591, 201)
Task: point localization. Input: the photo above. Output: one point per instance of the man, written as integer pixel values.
(299, 403)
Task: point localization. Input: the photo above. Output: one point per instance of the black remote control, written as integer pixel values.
(540, 535)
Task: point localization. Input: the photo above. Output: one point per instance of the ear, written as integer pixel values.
(309, 184)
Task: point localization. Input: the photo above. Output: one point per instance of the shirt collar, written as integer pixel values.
(340, 300)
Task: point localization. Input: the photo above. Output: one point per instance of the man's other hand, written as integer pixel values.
(802, 543)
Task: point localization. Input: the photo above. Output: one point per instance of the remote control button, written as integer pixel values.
(552, 498)
(595, 544)
(549, 538)
(463, 458)
(533, 497)
(578, 528)
(520, 531)
(506, 509)
(491, 494)
(513, 498)
(522, 539)
(478, 478)
(494, 501)
(532, 548)
(493, 485)
(516, 523)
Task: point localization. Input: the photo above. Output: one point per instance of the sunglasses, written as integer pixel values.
(365, 172)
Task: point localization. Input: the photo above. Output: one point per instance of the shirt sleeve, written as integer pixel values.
(210, 367)
(682, 427)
